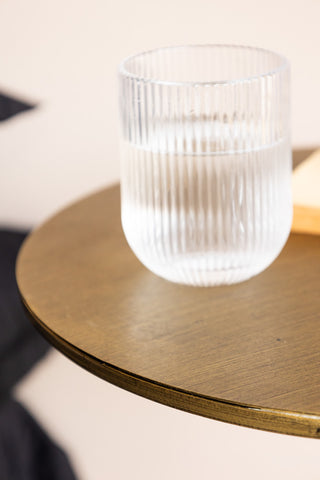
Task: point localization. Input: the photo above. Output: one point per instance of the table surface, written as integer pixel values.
(247, 354)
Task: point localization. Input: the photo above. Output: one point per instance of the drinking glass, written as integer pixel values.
(206, 161)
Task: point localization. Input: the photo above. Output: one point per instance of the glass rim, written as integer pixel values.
(123, 71)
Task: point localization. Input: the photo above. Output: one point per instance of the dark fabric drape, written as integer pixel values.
(21, 346)
(26, 451)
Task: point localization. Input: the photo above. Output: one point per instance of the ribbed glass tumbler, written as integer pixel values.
(206, 161)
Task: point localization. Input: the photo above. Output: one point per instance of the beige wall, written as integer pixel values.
(64, 55)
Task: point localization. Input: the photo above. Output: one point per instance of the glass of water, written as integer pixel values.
(206, 161)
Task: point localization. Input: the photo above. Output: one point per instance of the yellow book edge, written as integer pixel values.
(306, 220)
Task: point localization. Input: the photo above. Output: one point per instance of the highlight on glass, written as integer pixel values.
(205, 161)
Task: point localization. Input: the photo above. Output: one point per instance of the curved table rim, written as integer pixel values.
(261, 418)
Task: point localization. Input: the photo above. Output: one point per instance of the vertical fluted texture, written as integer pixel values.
(205, 165)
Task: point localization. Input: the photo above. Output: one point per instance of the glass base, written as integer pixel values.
(204, 271)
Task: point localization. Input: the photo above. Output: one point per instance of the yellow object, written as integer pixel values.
(306, 195)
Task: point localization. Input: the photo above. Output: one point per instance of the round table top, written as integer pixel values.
(247, 354)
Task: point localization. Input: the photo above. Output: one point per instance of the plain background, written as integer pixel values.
(63, 55)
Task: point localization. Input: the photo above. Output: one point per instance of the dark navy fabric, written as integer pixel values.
(26, 451)
(10, 106)
(21, 346)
